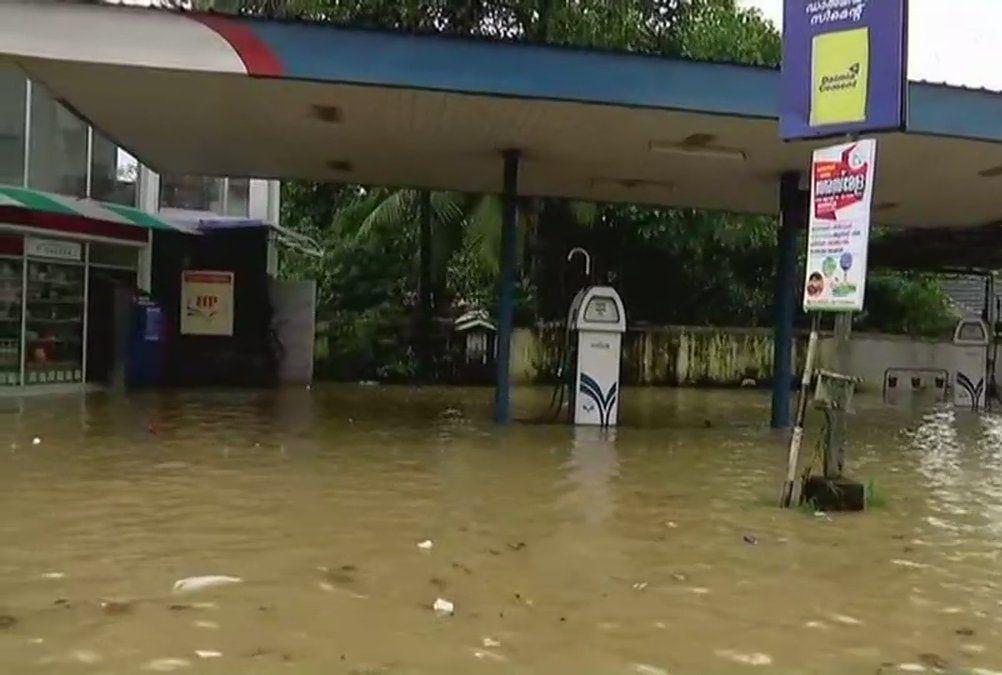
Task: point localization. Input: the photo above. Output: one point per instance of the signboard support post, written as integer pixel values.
(793, 208)
(789, 487)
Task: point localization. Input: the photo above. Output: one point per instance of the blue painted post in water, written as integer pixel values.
(506, 305)
(792, 216)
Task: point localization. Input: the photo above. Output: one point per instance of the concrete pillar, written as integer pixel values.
(792, 219)
(506, 304)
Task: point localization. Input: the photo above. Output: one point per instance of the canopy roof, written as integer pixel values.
(210, 94)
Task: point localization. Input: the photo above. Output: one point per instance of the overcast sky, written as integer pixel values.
(954, 41)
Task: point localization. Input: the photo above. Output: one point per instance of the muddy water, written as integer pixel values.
(655, 550)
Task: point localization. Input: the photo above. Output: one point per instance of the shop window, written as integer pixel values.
(54, 316)
(195, 193)
(10, 310)
(13, 87)
(114, 172)
(237, 196)
(57, 159)
(110, 255)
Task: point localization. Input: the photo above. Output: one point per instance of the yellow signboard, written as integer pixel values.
(841, 71)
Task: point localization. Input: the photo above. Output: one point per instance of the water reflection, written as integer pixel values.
(653, 548)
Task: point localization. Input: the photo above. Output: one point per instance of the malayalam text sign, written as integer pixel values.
(843, 67)
(206, 302)
(839, 230)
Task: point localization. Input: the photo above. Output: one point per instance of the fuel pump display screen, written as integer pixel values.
(601, 310)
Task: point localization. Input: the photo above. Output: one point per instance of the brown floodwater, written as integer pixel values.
(653, 549)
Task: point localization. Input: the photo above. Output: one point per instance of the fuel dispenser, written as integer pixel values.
(598, 319)
(970, 363)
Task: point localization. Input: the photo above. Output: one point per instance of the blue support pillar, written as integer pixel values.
(792, 219)
(506, 305)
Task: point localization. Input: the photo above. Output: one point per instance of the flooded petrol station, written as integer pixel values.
(655, 547)
(382, 529)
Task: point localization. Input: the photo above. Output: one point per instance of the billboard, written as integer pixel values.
(839, 226)
(844, 67)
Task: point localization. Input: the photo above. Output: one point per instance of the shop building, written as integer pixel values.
(79, 221)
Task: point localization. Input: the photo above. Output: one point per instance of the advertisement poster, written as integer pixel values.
(844, 67)
(206, 302)
(839, 226)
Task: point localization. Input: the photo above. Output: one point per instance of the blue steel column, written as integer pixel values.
(506, 306)
(792, 210)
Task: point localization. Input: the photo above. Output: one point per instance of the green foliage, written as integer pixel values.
(906, 304)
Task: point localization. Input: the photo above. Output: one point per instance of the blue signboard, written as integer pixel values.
(844, 67)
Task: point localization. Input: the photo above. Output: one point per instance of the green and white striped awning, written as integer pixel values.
(78, 217)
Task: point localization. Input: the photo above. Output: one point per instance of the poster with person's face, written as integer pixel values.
(839, 231)
(206, 302)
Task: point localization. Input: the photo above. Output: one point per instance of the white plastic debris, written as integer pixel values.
(640, 585)
(443, 607)
(426, 545)
(36, 441)
(846, 620)
(209, 625)
(192, 584)
(85, 656)
(647, 669)
(753, 659)
(166, 665)
(911, 668)
(208, 654)
(485, 655)
(490, 642)
(53, 575)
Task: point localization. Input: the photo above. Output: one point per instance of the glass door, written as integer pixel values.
(54, 323)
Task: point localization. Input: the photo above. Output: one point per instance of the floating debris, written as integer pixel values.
(426, 545)
(816, 624)
(208, 654)
(193, 584)
(36, 441)
(671, 524)
(911, 667)
(753, 659)
(53, 575)
(85, 656)
(647, 669)
(166, 665)
(517, 547)
(113, 607)
(209, 625)
(7, 621)
(699, 590)
(490, 643)
(679, 576)
(484, 654)
(909, 563)
(443, 607)
(846, 620)
(934, 661)
(640, 585)
(750, 539)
